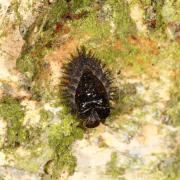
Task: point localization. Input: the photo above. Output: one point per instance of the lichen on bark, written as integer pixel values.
(141, 135)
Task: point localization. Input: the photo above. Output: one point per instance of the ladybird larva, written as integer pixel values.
(86, 88)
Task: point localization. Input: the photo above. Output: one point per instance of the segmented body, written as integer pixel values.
(87, 88)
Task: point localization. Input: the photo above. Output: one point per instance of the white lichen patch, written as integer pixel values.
(32, 116)
(2, 159)
(169, 12)
(9, 54)
(91, 159)
(150, 141)
(8, 173)
(137, 14)
(22, 152)
(54, 110)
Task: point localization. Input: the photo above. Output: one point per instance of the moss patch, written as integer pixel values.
(39, 38)
(167, 167)
(61, 137)
(80, 5)
(174, 104)
(111, 33)
(174, 110)
(106, 24)
(13, 113)
(109, 19)
(32, 158)
(113, 169)
(42, 34)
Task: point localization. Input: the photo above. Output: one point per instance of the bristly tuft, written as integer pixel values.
(86, 88)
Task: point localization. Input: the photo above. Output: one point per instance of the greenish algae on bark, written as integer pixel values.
(61, 138)
(13, 113)
(113, 169)
(111, 33)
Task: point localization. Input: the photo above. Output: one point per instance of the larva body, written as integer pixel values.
(86, 88)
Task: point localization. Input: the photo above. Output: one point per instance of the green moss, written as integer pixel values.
(168, 166)
(174, 110)
(171, 54)
(113, 12)
(33, 151)
(79, 5)
(15, 7)
(120, 15)
(170, 12)
(32, 158)
(39, 38)
(113, 169)
(13, 113)
(27, 163)
(45, 115)
(109, 26)
(29, 61)
(154, 14)
(61, 137)
(56, 11)
(103, 28)
(27, 65)
(98, 31)
(158, 9)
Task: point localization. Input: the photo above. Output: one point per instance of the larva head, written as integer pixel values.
(92, 120)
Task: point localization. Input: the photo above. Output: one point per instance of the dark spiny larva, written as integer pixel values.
(86, 88)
